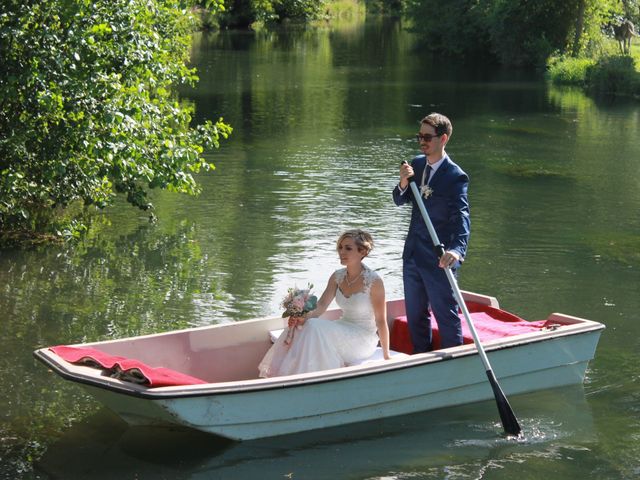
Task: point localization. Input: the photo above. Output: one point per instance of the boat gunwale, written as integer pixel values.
(90, 376)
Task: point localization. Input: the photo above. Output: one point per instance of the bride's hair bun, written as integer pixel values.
(362, 239)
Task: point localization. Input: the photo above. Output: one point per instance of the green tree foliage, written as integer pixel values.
(388, 7)
(88, 107)
(589, 31)
(459, 27)
(526, 32)
(630, 9)
(297, 9)
(244, 13)
(513, 32)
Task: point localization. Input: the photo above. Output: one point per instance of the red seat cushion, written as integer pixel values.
(490, 323)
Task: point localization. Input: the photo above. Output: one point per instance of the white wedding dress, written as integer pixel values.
(323, 344)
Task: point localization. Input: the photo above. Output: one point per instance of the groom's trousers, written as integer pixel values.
(424, 286)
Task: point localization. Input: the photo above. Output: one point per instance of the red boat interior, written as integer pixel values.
(490, 323)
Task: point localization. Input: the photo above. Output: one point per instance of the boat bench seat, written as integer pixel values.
(376, 357)
(490, 323)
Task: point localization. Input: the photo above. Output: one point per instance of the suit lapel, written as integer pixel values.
(441, 171)
(419, 165)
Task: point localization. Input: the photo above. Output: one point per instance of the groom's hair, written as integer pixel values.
(439, 122)
(362, 239)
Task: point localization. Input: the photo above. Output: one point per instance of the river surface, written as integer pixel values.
(322, 119)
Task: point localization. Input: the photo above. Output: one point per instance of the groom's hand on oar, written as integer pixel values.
(406, 172)
(449, 259)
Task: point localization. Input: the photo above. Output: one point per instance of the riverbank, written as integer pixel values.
(609, 74)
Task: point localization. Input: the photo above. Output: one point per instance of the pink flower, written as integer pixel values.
(298, 303)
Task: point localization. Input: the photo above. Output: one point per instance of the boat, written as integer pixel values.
(206, 378)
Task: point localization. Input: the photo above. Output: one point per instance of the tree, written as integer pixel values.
(527, 33)
(591, 25)
(459, 28)
(579, 26)
(244, 13)
(514, 32)
(88, 107)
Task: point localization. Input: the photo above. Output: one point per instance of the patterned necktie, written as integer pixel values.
(427, 174)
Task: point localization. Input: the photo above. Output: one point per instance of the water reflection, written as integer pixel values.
(557, 424)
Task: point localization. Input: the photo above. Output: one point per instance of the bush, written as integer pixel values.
(297, 9)
(569, 70)
(89, 109)
(614, 75)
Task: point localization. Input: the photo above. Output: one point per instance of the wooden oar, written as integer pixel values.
(509, 420)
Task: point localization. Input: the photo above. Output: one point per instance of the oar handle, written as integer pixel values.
(437, 246)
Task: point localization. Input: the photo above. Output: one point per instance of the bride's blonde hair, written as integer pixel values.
(362, 239)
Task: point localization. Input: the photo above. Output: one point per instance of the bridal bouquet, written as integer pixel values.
(296, 303)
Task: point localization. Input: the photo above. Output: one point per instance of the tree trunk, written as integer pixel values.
(579, 26)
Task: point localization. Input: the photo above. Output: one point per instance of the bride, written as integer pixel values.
(322, 344)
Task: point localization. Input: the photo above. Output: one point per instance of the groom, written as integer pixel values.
(443, 186)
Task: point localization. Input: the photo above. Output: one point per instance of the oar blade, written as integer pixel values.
(508, 418)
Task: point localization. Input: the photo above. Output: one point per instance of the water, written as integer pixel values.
(322, 120)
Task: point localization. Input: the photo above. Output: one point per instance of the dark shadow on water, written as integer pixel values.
(103, 447)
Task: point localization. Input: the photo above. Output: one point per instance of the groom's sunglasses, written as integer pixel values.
(427, 138)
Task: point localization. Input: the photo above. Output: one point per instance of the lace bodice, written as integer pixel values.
(357, 307)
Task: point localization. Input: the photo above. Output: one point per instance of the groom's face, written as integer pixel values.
(435, 145)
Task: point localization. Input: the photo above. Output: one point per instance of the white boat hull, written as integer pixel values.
(257, 408)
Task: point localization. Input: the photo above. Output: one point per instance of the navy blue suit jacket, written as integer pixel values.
(448, 209)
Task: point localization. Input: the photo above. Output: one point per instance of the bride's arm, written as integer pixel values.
(380, 312)
(323, 303)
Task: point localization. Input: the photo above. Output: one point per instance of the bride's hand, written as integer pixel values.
(293, 321)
